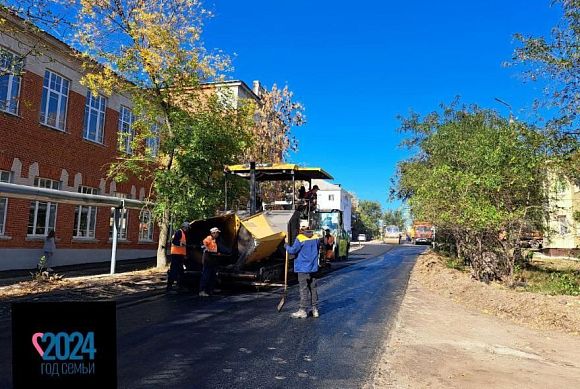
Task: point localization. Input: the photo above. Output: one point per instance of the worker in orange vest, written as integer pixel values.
(328, 242)
(214, 246)
(178, 254)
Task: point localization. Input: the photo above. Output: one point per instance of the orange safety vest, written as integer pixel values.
(210, 244)
(179, 250)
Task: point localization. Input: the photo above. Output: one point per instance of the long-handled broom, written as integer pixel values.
(283, 299)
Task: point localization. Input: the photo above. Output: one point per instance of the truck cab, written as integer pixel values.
(422, 233)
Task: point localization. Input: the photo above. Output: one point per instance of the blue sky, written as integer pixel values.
(357, 65)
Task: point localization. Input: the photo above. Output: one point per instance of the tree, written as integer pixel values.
(275, 116)
(394, 218)
(556, 60)
(367, 217)
(181, 136)
(478, 178)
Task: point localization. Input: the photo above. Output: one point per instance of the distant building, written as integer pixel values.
(563, 236)
(235, 91)
(333, 196)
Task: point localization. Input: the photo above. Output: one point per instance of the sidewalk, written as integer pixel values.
(438, 343)
(11, 277)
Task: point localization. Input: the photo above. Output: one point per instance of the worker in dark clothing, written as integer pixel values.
(311, 197)
(178, 254)
(306, 248)
(328, 242)
(213, 247)
(301, 192)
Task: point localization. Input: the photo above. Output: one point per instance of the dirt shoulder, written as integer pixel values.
(83, 288)
(452, 332)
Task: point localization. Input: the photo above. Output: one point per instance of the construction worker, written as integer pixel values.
(328, 244)
(178, 254)
(306, 248)
(311, 196)
(213, 247)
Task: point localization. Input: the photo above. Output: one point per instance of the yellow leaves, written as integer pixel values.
(103, 81)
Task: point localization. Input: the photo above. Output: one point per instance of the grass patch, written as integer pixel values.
(548, 279)
(455, 263)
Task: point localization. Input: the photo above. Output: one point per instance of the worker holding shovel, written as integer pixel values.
(306, 248)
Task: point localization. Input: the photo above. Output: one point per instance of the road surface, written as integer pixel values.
(240, 341)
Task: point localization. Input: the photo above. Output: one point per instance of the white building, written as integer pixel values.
(333, 196)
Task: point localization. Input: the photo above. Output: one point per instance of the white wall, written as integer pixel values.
(563, 230)
(340, 200)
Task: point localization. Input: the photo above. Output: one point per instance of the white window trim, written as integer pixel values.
(60, 98)
(151, 229)
(152, 143)
(124, 215)
(47, 217)
(92, 214)
(100, 135)
(48, 205)
(126, 140)
(11, 81)
(3, 229)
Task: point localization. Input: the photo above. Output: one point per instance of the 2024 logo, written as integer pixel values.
(65, 347)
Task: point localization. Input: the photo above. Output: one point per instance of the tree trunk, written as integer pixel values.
(161, 249)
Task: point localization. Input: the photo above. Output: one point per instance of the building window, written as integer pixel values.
(85, 216)
(145, 226)
(123, 221)
(42, 215)
(330, 197)
(95, 109)
(4, 177)
(152, 143)
(54, 100)
(563, 226)
(10, 69)
(126, 132)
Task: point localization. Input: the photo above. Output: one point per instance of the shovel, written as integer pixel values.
(283, 299)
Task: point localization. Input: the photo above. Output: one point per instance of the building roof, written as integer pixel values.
(231, 83)
(325, 185)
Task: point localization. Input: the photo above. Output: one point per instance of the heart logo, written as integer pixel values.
(35, 338)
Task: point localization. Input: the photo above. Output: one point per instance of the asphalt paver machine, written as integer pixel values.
(256, 236)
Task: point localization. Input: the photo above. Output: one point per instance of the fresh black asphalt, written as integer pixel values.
(239, 340)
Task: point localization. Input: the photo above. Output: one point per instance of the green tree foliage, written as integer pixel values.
(394, 218)
(478, 178)
(367, 218)
(182, 135)
(557, 60)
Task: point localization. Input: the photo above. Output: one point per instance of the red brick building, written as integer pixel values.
(55, 134)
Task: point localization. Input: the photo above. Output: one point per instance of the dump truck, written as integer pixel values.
(256, 237)
(422, 232)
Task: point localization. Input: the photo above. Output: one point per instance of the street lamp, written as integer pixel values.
(511, 120)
